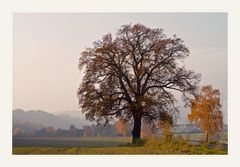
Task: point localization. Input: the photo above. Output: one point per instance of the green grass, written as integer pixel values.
(177, 145)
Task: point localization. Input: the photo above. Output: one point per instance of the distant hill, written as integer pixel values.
(72, 113)
(44, 118)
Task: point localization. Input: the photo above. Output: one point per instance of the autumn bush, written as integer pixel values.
(171, 144)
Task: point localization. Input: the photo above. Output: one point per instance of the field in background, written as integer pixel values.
(223, 137)
(182, 144)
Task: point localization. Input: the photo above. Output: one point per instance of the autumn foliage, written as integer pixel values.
(148, 130)
(205, 111)
(121, 127)
(132, 75)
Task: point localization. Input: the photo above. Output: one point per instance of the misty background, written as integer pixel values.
(46, 48)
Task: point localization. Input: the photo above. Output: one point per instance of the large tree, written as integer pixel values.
(205, 111)
(133, 75)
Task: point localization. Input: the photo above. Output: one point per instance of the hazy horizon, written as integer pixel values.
(47, 46)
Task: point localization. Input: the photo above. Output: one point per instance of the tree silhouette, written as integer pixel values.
(133, 76)
(206, 111)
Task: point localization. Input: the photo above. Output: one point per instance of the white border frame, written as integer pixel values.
(145, 6)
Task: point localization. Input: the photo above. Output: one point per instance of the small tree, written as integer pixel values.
(205, 111)
(17, 131)
(121, 127)
(72, 130)
(148, 130)
(165, 123)
(87, 130)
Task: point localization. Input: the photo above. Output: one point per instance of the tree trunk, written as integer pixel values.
(206, 139)
(136, 128)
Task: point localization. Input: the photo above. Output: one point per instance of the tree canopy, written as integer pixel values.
(133, 74)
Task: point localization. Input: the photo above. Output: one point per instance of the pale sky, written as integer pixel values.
(46, 48)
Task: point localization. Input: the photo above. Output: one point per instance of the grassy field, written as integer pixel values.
(70, 141)
(118, 145)
(223, 137)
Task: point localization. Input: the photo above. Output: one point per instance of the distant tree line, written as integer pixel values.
(117, 129)
(49, 131)
(93, 130)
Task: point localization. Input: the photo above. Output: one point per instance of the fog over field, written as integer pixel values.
(47, 46)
